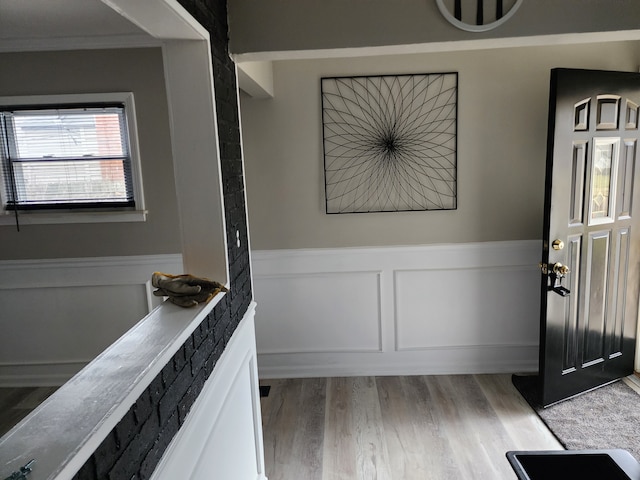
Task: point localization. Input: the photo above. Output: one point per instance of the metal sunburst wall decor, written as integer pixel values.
(390, 142)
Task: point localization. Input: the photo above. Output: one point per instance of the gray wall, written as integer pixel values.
(502, 128)
(278, 26)
(141, 72)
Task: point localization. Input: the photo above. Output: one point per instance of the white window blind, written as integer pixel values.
(66, 157)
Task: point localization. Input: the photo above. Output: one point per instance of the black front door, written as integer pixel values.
(591, 242)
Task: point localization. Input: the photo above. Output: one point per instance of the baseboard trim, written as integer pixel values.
(441, 361)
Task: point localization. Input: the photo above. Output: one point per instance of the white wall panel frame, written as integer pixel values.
(462, 291)
(105, 292)
(499, 334)
(328, 297)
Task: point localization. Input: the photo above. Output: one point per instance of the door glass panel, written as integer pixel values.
(603, 167)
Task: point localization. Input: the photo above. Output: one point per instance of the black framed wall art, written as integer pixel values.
(390, 142)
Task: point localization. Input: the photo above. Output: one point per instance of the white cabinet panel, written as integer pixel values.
(222, 435)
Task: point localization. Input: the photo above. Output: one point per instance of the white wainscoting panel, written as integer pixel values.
(458, 308)
(465, 307)
(319, 312)
(222, 435)
(57, 315)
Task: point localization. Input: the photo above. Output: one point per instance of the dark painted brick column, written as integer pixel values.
(134, 447)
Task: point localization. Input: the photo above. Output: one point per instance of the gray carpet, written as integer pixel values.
(608, 417)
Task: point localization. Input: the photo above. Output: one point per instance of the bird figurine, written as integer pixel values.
(185, 290)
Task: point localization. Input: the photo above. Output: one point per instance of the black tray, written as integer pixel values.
(614, 464)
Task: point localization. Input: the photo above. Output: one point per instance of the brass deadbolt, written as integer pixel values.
(557, 244)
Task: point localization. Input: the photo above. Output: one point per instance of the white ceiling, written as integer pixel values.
(54, 24)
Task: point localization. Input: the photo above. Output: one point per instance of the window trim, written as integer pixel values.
(80, 215)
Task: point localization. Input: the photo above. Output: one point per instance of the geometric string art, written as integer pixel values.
(390, 142)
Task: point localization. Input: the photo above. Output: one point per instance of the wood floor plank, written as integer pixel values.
(525, 428)
(437, 453)
(10, 418)
(405, 454)
(309, 439)
(279, 427)
(339, 452)
(447, 427)
(363, 428)
(482, 425)
(372, 456)
(32, 399)
(18, 402)
(293, 426)
(10, 397)
(456, 425)
(417, 449)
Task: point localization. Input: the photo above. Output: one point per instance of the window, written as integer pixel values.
(71, 154)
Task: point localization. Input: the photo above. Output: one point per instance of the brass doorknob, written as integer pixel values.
(560, 269)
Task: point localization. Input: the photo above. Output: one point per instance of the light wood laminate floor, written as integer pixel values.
(397, 428)
(17, 403)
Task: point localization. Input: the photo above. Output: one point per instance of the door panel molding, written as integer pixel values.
(578, 182)
(598, 252)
